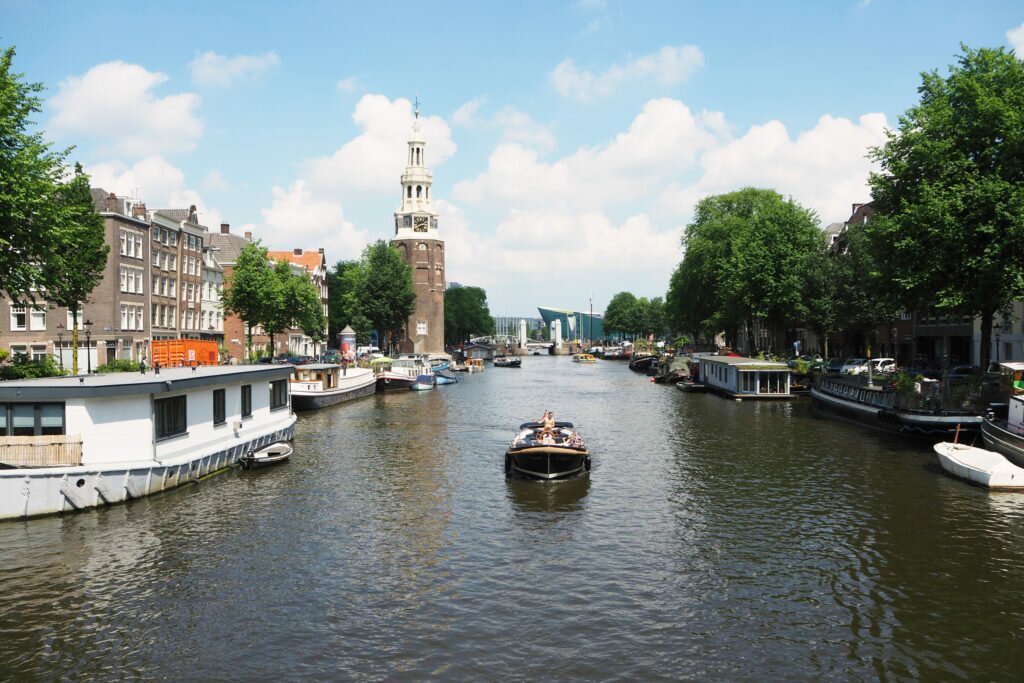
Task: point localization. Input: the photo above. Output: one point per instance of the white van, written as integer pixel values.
(367, 351)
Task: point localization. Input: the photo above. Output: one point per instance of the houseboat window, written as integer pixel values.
(219, 413)
(31, 419)
(278, 394)
(246, 400)
(170, 416)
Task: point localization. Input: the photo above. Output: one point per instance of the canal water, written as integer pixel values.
(713, 540)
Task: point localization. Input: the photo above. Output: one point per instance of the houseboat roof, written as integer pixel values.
(746, 363)
(129, 383)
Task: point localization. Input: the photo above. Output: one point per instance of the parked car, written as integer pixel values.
(961, 374)
(883, 366)
(854, 366)
(833, 365)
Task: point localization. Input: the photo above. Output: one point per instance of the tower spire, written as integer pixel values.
(417, 107)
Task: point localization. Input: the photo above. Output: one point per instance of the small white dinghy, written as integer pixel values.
(269, 455)
(979, 466)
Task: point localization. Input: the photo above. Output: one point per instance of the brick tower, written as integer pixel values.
(417, 239)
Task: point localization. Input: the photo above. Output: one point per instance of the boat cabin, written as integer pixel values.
(316, 377)
(739, 377)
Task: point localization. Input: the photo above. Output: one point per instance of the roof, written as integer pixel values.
(226, 247)
(132, 383)
(749, 363)
(310, 260)
(177, 214)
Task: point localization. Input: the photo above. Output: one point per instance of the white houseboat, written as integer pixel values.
(323, 384)
(70, 443)
(742, 378)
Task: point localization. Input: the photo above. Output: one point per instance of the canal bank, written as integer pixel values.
(713, 539)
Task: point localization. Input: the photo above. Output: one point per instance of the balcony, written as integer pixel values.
(57, 450)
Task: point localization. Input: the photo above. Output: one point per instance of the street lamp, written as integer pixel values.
(88, 345)
(60, 343)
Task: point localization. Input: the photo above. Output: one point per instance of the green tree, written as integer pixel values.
(750, 251)
(466, 314)
(656, 317)
(30, 173)
(622, 313)
(343, 308)
(386, 294)
(950, 194)
(251, 291)
(70, 273)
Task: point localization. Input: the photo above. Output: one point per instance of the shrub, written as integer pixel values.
(119, 365)
(22, 367)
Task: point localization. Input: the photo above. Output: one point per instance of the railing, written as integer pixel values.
(41, 451)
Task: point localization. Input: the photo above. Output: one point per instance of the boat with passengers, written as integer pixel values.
(547, 450)
(77, 442)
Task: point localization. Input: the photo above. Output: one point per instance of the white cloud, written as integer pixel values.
(349, 84)
(668, 66)
(214, 180)
(825, 168)
(665, 138)
(297, 218)
(374, 160)
(114, 102)
(154, 181)
(1015, 36)
(515, 125)
(212, 69)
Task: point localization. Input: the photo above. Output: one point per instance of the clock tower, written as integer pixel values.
(417, 239)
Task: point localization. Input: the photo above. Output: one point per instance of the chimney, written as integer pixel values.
(297, 252)
(320, 250)
(225, 228)
(193, 215)
(139, 210)
(112, 202)
(855, 207)
(248, 235)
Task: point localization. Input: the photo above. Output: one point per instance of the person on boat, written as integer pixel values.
(547, 422)
(547, 439)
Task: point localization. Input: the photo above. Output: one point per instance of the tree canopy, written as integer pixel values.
(466, 314)
(386, 294)
(622, 314)
(72, 272)
(251, 291)
(344, 309)
(950, 194)
(746, 256)
(30, 175)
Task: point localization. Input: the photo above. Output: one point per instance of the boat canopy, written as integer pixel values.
(383, 360)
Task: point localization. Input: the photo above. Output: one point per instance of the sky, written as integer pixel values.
(569, 141)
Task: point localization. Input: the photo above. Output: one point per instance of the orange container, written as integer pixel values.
(175, 353)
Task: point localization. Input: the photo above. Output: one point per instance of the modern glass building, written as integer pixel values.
(575, 324)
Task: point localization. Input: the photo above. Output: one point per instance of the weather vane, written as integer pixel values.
(417, 103)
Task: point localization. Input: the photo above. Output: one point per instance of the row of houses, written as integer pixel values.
(917, 338)
(164, 279)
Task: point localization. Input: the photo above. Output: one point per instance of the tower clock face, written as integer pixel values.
(420, 224)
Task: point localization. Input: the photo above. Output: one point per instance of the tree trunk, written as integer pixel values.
(74, 342)
(985, 355)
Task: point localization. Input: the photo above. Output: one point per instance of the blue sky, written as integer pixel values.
(569, 141)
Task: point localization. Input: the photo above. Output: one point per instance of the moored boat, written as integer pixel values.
(584, 358)
(446, 377)
(745, 378)
(978, 466)
(882, 408)
(506, 362)
(273, 454)
(424, 382)
(72, 443)
(318, 385)
(399, 373)
(537, 453)
(691, 386)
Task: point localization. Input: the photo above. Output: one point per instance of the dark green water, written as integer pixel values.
(713, 540)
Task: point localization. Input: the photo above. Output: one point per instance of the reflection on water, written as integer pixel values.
(712, 540)
(548, 496)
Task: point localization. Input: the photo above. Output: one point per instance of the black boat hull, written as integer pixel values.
(547, 462)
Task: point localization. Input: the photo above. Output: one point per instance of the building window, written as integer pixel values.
(31, 419)
(246, 400)
(37, 320)
(421, 327)
(19, 318)
(278, 394)
(170, 417)
(219, 412)
(39, 352)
